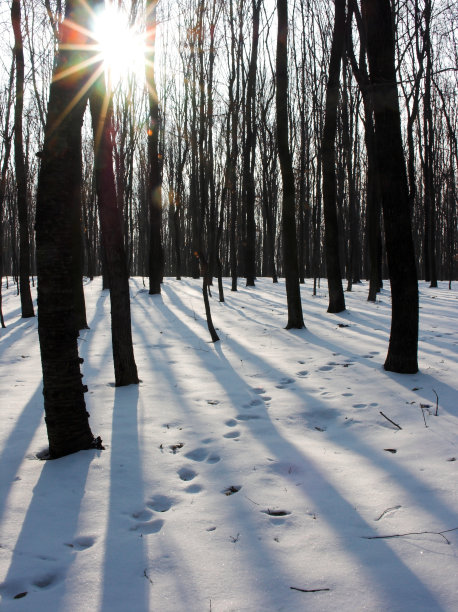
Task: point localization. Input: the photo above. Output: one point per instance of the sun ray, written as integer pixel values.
(120, 43)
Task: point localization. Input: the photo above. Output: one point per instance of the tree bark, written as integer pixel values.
(293, 294)
(66, 417)
(154, 192)
(402, 351)
(331, 234)
(112, 237)
(21, 172)
(249, 151)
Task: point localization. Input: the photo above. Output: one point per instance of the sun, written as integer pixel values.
(121, 45)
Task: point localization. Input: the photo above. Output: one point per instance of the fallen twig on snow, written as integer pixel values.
(388, 419)
(423, 413)
(401, 535)
(437, 404)
(308, 590)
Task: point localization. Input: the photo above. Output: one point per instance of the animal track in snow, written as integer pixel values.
(258, 390)
(202, 454)
(254, 402)
(232, 434)
(231, 423)
(82, 542)
(186, 474)
(47, 580)
(194, 488)
(247, 417)
(276, 513)
(142, 515)
(198, 454)
(283, 382)
(148, 527)
(160, 503)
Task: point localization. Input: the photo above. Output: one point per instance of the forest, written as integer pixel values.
(228, 247)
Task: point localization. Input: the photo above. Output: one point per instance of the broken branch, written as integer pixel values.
(308, 590)
(388, 419)
(401, 535)
(437, 403)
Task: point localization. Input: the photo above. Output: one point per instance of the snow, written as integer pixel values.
(237, 470)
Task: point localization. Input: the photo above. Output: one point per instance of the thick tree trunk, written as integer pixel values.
(293, 294)
(21, 172)
(331, 235)
(66, 417)
(402, 351)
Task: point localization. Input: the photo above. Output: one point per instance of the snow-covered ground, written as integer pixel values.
(249, 475)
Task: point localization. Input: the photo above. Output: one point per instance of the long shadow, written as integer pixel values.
(379, 459)
(345, 438)
(125, 559)
(88, 337)
(50, 528)
(254, 547)
(338, 512)
(17, 443)
(15, 330)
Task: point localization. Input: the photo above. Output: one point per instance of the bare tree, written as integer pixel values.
(402, 351)
(293, 295)
(21, 172)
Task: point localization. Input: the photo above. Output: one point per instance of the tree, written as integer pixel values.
(154, 190)
(249, 151)
(6, 137)
(402, 351)
(21, 173)
(331, 236)
(110, 219)
(65, 410)
(293, 294)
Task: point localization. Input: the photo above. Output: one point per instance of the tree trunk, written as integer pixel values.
(331, 234)
(250, 151)
(154, 192)
(293, 294)
(112, 237)
(21, 172)
(66, 417)
(402, 351)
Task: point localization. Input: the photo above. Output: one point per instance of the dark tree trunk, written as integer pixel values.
(6, 158)
(250, 151)
(402, 351)
(233, 111)
(331, 235)
(204, 272)
(373, 203)
(428, 162)
(112, 237)
(154, 192)
(293, 294)
(66, 417)
(21, 172)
